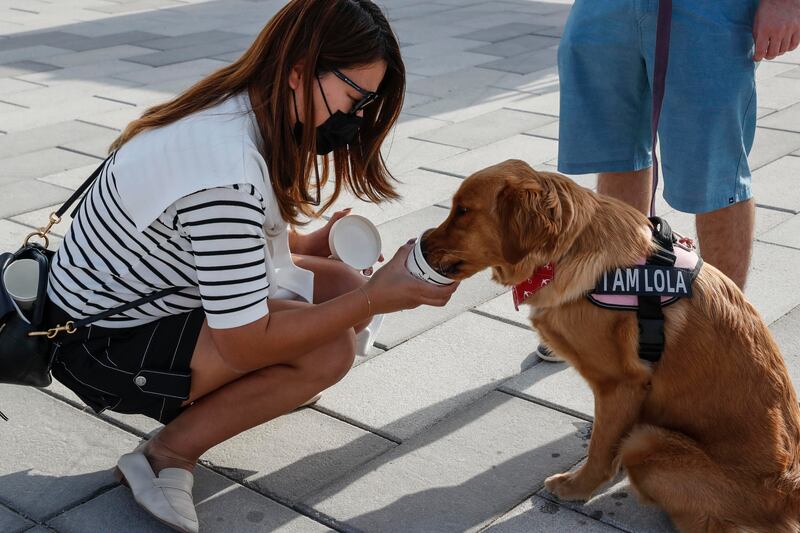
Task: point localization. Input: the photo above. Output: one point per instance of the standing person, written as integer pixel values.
(198, 195)
(708, 121)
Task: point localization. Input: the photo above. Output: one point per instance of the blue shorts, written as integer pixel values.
(708, 121)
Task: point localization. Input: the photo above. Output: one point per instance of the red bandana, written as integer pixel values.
(541, 277)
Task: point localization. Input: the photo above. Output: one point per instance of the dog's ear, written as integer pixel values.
(531, 215)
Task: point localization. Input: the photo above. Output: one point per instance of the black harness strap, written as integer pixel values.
(649, 313)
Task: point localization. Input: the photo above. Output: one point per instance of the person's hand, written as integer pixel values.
(776, 28)
(393, 288)
(316, 242)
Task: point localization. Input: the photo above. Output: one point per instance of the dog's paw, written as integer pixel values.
(568, 487)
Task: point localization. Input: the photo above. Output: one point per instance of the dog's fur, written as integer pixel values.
(711, 432)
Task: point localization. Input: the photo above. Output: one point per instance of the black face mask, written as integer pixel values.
(338, 131)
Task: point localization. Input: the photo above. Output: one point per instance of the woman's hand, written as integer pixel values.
(393, 288)
(316, 242)
(776, 28)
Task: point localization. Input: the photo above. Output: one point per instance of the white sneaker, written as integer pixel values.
(168, 496)
(546, 354)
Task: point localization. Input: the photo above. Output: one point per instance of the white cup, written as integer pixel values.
(354, 240)
(21, 280)
(419, 267)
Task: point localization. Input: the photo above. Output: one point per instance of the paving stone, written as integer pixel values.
(502, 307)
(9, 86)
(12, 235)
(28, 195)
(82, 43)
(503, 32)
(409, 125)
(773, 286)
(101, 54)
(99, 69)
(412, 31)
(26, 119)
(22, 68)
(590, 182)
(50, 38)
(468, 103)
(438, 47)
(41, 162)
(771, 145)
(787, 119)
(533, 150)
(72, 178)
(399, 327)
(785, 234)
(11, 522)
(419, 189)
(403, 155)
(432, 65)
(556, 385)
(538, 82)
(618, 505)
(516, 45)
(222, 507)
(31, 53)
(38, 218)
(189, 53)
(485, 129)
(61, 460)
(409, 388)
(538, 514)
(548, 131)
(190, 39)
(794, 73)
(193, 69)
(777, 92)
(546, 104)
(412, 100)
(454, 84)
(54, 134)
(785, 331)
(273, 461)
(775, 184)
(525, 63)
(440, 480)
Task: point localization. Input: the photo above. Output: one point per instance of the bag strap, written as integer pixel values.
(663, 31)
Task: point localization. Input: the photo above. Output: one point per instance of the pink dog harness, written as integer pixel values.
(652, 284)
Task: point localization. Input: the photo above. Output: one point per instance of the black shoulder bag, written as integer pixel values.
(25, 343)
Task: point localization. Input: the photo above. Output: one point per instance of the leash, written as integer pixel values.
(663, 31)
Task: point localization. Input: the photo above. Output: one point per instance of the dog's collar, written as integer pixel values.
(541, 277)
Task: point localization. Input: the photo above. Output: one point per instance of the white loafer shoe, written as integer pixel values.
(168, 496)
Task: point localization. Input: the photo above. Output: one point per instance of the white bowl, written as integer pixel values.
(419, 267)
(354, 240)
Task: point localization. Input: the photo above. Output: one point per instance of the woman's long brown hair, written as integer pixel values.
(323, 34)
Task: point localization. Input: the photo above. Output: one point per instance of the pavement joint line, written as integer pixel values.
(113, 100)
(441, 143)
(795, 248)
(532, 112)
(355, 423)
(581, 510)
(443, 172)
(544, 403)
(9, 508)
(500, 319)
(16, 105)
(778, 129)
(538, 136)
(298, 507)
(95, 124)
(79, 152)
(96, 494)
(780, 209)
(23, 10)
(28, 81)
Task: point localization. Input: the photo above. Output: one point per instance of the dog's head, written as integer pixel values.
(508, 217)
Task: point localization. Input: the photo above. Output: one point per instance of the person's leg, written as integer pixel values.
(726, 239)
(216, 412)
(286, 386)
(634, 188)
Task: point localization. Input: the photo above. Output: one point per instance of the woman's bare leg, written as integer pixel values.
(218, 392)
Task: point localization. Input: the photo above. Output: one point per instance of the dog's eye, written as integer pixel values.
(461, 210)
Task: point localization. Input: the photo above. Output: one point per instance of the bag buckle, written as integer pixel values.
(42, 232)
(51, 333)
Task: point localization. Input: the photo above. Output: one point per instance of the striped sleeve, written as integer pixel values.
(225, 228)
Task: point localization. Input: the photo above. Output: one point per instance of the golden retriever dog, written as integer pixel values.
(709, 433)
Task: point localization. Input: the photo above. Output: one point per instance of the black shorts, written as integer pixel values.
(138, 370)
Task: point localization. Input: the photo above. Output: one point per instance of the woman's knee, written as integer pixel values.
(331, 363)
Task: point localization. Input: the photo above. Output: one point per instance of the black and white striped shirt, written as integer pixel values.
(211, 242)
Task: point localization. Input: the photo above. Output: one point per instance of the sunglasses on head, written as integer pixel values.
(367, 97)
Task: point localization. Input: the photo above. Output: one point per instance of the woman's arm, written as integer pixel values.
(282, 336)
